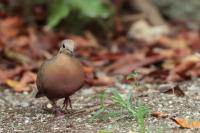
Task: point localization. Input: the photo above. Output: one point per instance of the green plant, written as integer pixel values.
(136, 82)
(133, 75)
(137, 111)
(102, 113)
(87, 9)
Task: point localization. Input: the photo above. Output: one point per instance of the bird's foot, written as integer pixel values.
(58, 111)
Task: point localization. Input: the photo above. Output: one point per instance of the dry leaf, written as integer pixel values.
(28, 77)
(10, 27)
(102, 81)
(180, 70)
(84, 42)
(88, 70)
(127, 68)
(175, 90)
(6, 74)
(142, 30)
(185, 123)
(17, 85)
(159, 114)
(177, 43)
(22, 85)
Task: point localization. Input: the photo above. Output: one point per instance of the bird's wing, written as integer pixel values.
(39, 80)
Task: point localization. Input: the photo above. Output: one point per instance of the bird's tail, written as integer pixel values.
(35, 93)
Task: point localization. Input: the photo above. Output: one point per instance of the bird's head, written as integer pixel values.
(67, 47)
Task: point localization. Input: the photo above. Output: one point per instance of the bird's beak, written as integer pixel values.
(70, 52)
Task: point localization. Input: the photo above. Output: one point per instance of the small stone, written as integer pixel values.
(24, 104)
(49, 106)
(26, 121)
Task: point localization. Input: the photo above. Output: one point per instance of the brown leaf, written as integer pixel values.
(88, 70)
(159, 114)
(28, 77)
(22, 85)
(180, 70)
(85, 42)
(185, 123)
(10, 27)
(173, 53)
(6, 74)
(105, 55)
(127, 68)
(124, 60)
(16, 85)
(177, 43)
(100, 80)
(39, 43)
(176, 90)
(158, 75)
(20, 57)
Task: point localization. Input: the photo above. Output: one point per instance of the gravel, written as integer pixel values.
(22, 113)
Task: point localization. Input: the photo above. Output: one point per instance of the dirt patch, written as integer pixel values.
(20, 112)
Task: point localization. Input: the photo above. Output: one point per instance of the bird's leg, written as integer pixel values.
(67, 102)
(55, 108)
(70, 103)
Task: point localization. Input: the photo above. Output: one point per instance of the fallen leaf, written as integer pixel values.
(100, 81)
(13, 55)
(180, 70)
(106, 55)
(177, 43)
(17, 85)
(159, 114)
(22, 85)
(88, 70)
(9, 73)
(40, 44)
(10, 27)
(158, 76)
(28, 77)
(127, 68)
(175, 90)
(142, 30)
(185, 123)
(85, 42)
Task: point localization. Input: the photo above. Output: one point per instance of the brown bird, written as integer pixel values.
(60, 76)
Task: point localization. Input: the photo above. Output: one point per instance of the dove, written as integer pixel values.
(61, 76)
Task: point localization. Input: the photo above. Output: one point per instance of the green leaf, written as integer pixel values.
(129, 98)
(91, 8)
(59, 9)
(133, 75)
(99, 112)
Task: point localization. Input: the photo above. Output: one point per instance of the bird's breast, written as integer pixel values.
(65, 76)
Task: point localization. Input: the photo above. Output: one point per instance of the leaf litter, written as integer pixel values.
(168, 59)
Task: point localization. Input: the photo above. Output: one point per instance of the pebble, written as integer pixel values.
(49, 106)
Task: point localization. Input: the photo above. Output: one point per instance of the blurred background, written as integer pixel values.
(115, 38)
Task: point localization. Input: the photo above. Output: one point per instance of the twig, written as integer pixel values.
(88, 110)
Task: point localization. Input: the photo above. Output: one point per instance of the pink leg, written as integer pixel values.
(55, 108)
(67, 102)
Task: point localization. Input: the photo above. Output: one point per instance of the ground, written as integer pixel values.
(21, 112)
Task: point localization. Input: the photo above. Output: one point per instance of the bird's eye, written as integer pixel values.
(63, 45)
